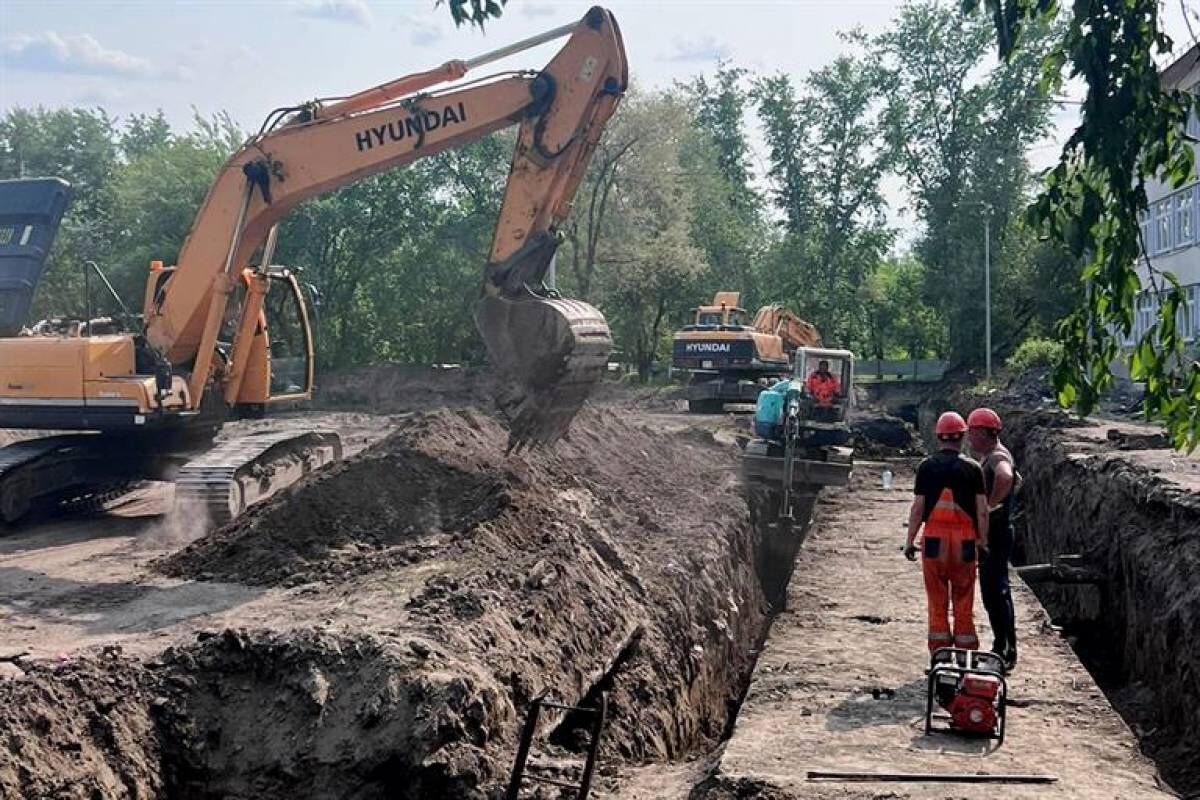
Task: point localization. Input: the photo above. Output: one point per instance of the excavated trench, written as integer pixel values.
(1089, 492)
(448, 588)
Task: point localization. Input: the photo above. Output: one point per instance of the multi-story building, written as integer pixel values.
(1171, 226)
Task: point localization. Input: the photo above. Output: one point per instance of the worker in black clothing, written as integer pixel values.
(1000, 479)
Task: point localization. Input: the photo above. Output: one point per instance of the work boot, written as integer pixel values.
(1010, 660)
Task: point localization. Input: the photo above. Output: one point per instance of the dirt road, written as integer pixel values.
(840, 684)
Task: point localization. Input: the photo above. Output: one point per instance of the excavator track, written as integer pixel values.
(234, 475)
(550, 352)
(38, 471)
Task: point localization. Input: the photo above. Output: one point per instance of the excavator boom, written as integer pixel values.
(549, 351)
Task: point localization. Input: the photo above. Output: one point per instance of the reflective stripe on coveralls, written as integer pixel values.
(948, 564)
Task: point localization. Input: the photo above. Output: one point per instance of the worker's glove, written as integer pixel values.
(910, 552)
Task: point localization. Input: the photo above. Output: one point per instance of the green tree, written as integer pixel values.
(649, 264)
(957, 131)
(158, 191)
(898, 321)
(826, 172)
(1130, 130)
(77, 145)
(727, 219)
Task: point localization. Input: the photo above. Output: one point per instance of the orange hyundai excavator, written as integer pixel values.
(732, 360)
(216, 325)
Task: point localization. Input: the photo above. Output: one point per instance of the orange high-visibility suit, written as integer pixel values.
(948, 558)
(824, 388)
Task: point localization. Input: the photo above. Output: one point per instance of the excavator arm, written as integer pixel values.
(549, 350)
(792, 331)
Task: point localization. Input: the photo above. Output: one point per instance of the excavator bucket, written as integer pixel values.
(548, 352)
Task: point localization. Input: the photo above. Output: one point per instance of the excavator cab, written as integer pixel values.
(824, 381)
(291, 340)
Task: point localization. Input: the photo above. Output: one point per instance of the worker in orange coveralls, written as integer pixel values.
(951, 504)
(823, 385)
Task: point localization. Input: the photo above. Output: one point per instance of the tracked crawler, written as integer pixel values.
(225, 334)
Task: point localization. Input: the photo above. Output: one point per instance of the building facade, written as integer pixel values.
(1171, 226)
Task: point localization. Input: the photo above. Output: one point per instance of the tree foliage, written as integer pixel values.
(1131, 129)
(957, 129)
(825, 178)
(474, 12)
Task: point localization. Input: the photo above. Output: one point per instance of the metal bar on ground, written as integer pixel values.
(552, 781)
(928, 777)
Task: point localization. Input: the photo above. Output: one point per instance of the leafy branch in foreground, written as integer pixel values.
(473, 12)
(1131, 129)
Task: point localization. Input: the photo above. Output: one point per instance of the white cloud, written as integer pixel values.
(78, 54)
(421, 33)
(706, 48)
(538, 10)
(354, 12)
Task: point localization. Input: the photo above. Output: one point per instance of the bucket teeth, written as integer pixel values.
(550, 353)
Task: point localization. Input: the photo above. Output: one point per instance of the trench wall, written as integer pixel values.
(1143, 533)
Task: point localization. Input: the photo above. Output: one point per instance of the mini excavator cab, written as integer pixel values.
(824, 384)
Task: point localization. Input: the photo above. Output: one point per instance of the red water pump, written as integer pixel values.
(970, 686)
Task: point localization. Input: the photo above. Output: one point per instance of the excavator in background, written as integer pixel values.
(225, 333)
(730, 359)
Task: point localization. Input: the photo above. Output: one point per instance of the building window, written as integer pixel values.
(1147, 244)
(1193, 123)
(1184, 219)
(1183, 316)
(1163, 227)
(1147, 307)
(1193, 311)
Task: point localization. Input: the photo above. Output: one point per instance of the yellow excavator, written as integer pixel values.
(225, 333)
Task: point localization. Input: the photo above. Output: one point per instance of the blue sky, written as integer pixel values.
(250, 56)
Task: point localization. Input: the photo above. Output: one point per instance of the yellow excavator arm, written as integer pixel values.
(549, 350)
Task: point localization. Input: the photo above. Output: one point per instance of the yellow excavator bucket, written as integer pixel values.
(548, 352)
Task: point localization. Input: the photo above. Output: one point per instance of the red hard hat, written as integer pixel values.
(950, 424)
(984, 418)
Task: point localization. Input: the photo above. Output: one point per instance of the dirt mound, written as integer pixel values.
(370, 512)
(881, 435)
(83, 730)
(621, 560)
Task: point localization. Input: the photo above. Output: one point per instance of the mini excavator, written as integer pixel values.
(140, 404)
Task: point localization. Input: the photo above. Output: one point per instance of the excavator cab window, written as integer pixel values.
(708, 318)
(291, 338)
(737, 317)
(826, 380)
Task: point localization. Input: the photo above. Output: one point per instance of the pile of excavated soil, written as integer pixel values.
(80, 730)
(881, 435)
(395, 388)
(467, 583)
